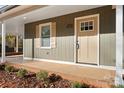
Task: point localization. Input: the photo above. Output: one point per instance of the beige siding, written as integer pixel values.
(63, 51)
(28, 48)
(107, 49)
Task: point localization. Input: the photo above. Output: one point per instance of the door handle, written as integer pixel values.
(77, 45)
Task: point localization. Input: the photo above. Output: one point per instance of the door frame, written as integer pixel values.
(75, 38)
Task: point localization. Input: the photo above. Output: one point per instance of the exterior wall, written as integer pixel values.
(64, 50)
(29, 36)
(107, 49)
(28, 48)
(107, 38)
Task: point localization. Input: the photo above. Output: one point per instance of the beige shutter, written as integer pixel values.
(37, 40)
(53, 35)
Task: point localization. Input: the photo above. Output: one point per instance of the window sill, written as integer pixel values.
(45, 47)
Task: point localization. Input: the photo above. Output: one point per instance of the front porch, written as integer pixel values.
(93, 75)
(72, 72)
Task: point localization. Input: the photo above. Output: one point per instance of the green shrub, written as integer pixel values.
(53, 78)
(80, 85)
(42, 75)
(9, 68)
(120, 86)
(21, 73)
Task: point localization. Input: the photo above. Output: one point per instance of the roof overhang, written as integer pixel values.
(15, 20)
(50, 11)
(18, 11)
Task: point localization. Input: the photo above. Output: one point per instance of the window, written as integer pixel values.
(45, 35)
(87, 26)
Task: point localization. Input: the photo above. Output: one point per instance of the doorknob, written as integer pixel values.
(77, 45)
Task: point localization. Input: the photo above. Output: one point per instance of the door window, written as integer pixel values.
(86, 26)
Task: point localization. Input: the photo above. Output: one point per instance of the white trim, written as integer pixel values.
(98, 38)
(17, 43)
(75, 42)
(119, 45)
(23, 38)
(72, 63)
(88, 26)
(27, 58)
(75, 36)
(82, 17)
(107, 67)
(3, 54)
(45, 47)
(45, 24)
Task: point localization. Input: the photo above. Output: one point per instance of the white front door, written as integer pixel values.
(87, 39)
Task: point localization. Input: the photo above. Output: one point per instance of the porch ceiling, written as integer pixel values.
(19, 11)
(51, 11)
(44, 13)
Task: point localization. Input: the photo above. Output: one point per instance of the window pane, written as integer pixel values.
(45, 42)
(45, 31)
(45, 36)
(86, 24)
(82, 26)
(91, 23)
(86, 27)
(82, 29)
(90, 27)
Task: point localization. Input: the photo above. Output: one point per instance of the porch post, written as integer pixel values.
(3, 42)
(119, 45)
(16, 43)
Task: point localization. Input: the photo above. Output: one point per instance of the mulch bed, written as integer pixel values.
(10, 80)
(11, 77)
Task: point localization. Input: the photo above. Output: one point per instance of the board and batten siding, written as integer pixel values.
(61, 52)
(28, 46)
(64, 50)
(107, 49)
(108, 38)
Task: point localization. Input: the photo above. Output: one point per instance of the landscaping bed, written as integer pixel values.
(11, 77)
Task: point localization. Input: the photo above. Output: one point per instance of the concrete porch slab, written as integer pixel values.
(97, 76)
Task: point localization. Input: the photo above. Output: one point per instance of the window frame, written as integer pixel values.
(40, 30)
(88, 26)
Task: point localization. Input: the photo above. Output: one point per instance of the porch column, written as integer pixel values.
(16, 43)
(3, 42)
(119, 45)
